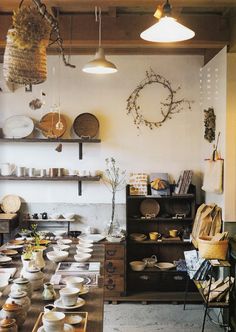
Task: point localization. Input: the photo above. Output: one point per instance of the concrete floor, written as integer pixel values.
(136, 317)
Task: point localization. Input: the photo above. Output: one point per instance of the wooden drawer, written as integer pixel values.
(113, 284)
(114, 267)
(141, 281)
(114, 251)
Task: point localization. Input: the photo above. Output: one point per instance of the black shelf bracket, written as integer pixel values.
(80, 151)
(79, 188)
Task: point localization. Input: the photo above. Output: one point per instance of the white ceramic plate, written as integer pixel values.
(84, 290)
(83, 250)
(73, 319)
(91, 238)
(80, 302)
(64, 241)
(18, 126)
(5, 259)
(67, 328)
(14, 247)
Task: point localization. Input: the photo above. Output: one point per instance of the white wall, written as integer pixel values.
(173, 147)
(213, 88)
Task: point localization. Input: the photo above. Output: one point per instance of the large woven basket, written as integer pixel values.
(24, 66)
(212, 249)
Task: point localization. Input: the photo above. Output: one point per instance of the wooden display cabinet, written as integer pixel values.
(166, 285)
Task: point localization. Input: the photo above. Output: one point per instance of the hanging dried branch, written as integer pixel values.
(55, 30)
(168, 108)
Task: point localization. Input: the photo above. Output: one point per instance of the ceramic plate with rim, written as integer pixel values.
(73, 319)
(67, 328)
(165, 265)
(80, 302)
(5, 260)
(18, 126)
(9, 252)
(64, 241)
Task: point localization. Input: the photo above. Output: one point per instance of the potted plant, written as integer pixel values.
(114, 179)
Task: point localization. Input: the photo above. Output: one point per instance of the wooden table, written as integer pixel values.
(94, 299)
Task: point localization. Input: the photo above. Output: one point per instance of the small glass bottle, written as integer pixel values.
(49, 292)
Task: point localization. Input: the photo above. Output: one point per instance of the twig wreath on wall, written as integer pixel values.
(168, 107)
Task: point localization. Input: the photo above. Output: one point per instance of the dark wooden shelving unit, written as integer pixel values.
(79, 141)
(168, 285)
(79, 179)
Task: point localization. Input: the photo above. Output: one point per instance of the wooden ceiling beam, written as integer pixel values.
(67, 5)
(122, 32)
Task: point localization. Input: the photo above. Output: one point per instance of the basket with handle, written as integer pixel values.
(210, 249)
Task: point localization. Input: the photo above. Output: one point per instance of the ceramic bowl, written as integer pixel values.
(82, 257)
(84, 245)
(57, 256)
(84, 250)
(68, 215)
(59, 232)
(60, 247)
(74, 282)
(137, 265)
(64, 241)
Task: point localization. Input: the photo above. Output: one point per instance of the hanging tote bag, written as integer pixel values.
(213, 176)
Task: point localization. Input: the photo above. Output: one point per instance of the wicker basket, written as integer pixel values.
(212, 249)
(24, 66)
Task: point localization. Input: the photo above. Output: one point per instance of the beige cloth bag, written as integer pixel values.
(208, 222)
(213, 176)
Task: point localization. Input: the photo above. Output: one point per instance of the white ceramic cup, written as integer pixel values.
(31, 171)
(72, 171)
(7, 169)
(69, 296)
(43, 172)
(74, 282)
(20, 171)
(53, 321)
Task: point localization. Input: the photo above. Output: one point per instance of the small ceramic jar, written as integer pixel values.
(22, 284)
(37, 256)
(14, 310)
(49, 292)
(21, 298)
(35, 276)
(8, 325)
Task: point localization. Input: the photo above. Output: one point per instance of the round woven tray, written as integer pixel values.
(11, 204)
(86, 125)
(149, 207)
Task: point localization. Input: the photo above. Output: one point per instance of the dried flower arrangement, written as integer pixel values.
(169, 107)
(30, 27)
(210, 124)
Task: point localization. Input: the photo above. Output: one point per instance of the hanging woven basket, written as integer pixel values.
(24, 66)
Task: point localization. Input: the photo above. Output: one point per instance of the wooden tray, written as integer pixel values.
(86, 125)
(48, 125)
(81, 327)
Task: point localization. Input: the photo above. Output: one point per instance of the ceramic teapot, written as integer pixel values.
(22, 284)
(21, 298)
(13, 310)
(49, 292)
(35, 276)
(8, 325)
(150, 261)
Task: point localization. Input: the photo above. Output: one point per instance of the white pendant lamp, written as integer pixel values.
(167, 29)
(100, 65)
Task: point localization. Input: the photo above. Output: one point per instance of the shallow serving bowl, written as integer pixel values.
(82, 257)
(60, 247)
(57, 256)
(137, 265)
(84, 250)
(3, 284)
(84, 245)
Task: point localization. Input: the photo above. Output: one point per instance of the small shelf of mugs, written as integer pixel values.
(80, 179)
(79, 141)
